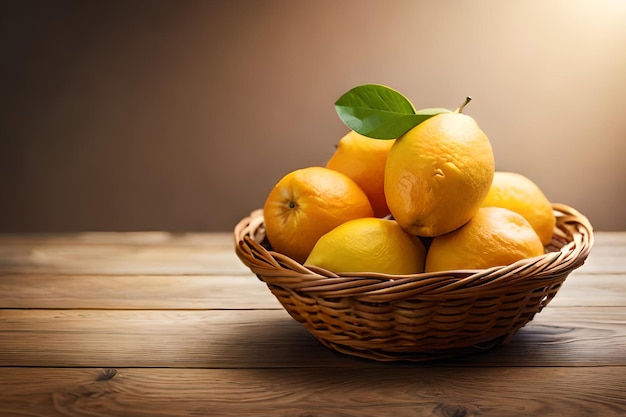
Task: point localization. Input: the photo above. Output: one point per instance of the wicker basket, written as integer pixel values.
(417, 317)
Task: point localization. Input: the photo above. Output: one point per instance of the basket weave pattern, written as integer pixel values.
(422, 316)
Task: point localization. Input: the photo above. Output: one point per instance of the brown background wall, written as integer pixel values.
(180, 115)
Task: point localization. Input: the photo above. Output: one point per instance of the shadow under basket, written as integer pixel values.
(417, 317)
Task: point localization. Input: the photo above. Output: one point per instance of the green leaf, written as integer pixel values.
(379, 112)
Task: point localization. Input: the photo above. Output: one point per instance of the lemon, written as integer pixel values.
(520, 194)
(494, 236)
(369, 245)
(438, 173)
(363, 159)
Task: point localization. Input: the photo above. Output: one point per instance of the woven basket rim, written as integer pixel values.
(571, 244)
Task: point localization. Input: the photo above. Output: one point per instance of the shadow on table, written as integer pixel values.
(280, 341)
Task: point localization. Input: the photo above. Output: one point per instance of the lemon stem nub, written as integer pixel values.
(462, 106)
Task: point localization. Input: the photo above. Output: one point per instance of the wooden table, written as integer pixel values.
(158, 324)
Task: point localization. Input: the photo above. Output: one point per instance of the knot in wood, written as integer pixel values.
(451, 410)
(106, 374)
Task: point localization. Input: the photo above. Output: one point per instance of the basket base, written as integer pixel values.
(424, 356)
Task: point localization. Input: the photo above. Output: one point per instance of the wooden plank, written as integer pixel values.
(585, 290)
(154, 238)
(113, 259)
(270, 338)
(219, 292)
(605, 260)
(608, 254)
(162, 292)
(405, 390)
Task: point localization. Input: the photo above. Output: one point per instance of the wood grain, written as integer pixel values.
(153, 238)
(607, 254)
(406, 390)
(270, 338)
(592, 290)
(163, 292)
(115, 259)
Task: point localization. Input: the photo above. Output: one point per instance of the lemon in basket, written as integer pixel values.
(369, 245)
(307, 203)
(363, 159)
(438, 173)
(495, 236)
(520, 194)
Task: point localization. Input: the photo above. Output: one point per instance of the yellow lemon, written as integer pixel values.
(363, 159)
(495, 236)
(520, 194)
(369, 245)
(438, 173)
